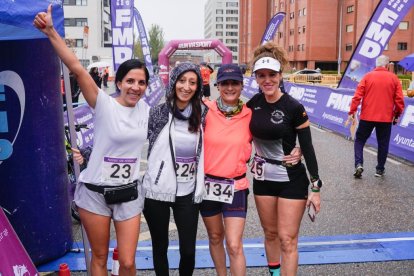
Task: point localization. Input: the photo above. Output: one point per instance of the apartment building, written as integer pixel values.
(316, 34)
(95, 44)
(221, 21)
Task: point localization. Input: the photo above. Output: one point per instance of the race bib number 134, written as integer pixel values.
(219, 190)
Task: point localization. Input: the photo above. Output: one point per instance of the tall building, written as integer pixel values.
(316, 34)
(97, 44)
(221, 21)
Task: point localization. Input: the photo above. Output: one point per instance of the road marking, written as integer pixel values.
(388, 159)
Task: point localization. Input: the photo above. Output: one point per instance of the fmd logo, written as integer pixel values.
(297, 92)
(12, 81)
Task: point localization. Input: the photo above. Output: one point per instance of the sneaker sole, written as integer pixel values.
(358, 173)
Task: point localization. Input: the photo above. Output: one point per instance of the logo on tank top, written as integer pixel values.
(277, 117)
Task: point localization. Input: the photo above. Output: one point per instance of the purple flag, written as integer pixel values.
(122, 31)
(13, 256)
(381, 26)
(272, 26)
(250, 86)
(155, 88)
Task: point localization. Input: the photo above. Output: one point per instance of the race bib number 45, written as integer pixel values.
(219, 190)
(118, 170)
(185, 169)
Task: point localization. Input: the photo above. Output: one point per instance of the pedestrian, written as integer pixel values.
(206, 72)
(280, 188)
(382, 104)
(105, 76)
(74, 87)
(175, 174)
(109, 186)
(96, 76)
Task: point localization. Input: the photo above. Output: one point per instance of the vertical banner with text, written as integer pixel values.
(122, 12)
(383, 23)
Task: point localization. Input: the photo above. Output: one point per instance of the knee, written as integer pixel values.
(216, 238)
(127, 263)
(100, 258)
(289, 244)
(271, 234)
(234, 248)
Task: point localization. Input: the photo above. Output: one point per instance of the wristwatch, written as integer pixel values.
(316, 185)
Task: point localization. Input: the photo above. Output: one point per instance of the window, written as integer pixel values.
(233, 48)
(349, 28)
(232, 19)
(107, 3)
(280, 34)
(219, 19)
(232, 4)
(298, 48)
(76, 22)
(291, 32)
(299, 28)
(231, 26)
(79, 43)
(402, 46)
(348, 47)
(85, 62)
(350, 9)
(232, 33)
(219, 26)
(304, 11)
(219, 11)
(233, 41)
(403, 25)
(219, 33)
(303, 29)
(303, 47)
(232, 12)
(300, 13)
(292, 15)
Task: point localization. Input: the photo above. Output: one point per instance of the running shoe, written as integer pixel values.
(380, 173)
(358, 171)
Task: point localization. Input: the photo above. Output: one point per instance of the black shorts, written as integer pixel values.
(238, 208)
(206, 90)
(294, 189)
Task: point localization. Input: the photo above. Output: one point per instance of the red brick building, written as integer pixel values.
(311, 32)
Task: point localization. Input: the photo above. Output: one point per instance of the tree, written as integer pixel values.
(156, 43)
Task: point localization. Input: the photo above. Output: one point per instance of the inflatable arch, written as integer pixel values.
(202, 44)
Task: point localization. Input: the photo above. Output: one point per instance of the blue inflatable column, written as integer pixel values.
(33, 173)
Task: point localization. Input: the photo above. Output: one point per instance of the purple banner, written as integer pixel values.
(13, 256)
(155, 88)
(381, 26)
(250, 86)
(83, 115)
(272, 26)
(328, 107)
(122, 31)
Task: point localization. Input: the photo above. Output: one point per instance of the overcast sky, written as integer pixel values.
(179, 19)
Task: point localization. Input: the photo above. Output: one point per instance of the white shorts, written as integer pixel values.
(94, 202)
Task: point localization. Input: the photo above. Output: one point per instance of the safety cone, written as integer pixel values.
(64, 270)
(115, 263)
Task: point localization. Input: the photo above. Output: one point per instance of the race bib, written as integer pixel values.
(219, 190)
(185, 168)
(118, 170)
(258, 168)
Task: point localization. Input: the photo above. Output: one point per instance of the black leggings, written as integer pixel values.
(157, 215)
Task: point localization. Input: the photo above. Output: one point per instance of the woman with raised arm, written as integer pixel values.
(280, 189)
(109, 186)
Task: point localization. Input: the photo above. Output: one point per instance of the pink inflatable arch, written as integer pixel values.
(202, 44)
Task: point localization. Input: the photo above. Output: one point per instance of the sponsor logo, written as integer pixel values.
(12, 82)
(339, 102)
(408, 117)
(297, 92)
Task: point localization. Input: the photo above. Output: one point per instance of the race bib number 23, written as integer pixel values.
(118, 170)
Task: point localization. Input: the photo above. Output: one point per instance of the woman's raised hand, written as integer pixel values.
(43, 20)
